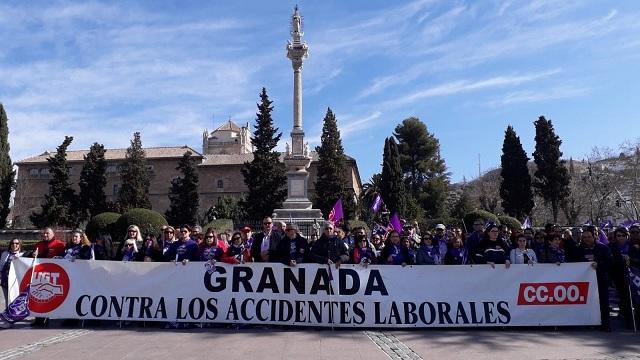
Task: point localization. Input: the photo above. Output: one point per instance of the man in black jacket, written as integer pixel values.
(293, 248)
(599, 255)
(265, 243)
(329, 249)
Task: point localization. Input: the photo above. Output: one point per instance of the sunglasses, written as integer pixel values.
(133, 231)
(210, 236)
(15, 243)
(235, 238)
(184, 231)
(168, 232)
(328, 228)
(129, 245)
(266, 223)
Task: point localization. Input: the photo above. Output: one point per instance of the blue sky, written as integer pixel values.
(101, 70)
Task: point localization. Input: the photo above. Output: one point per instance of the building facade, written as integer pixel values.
(224, 152)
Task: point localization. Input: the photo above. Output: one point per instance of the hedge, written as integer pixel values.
(470, 217)
(220, 225)
(357, 223)
(511, 222)
(147, 220)
(103, 223)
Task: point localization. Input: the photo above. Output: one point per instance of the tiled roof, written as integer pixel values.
(117, 154)
(228, 126)
(238, 159)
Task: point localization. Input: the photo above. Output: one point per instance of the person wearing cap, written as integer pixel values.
(620, 249)
(247, 235)
(293, 248)
(440, 239)
(265, 242)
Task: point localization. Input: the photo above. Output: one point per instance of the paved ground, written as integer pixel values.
(107, 341)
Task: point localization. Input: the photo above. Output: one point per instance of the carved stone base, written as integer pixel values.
(297, 214)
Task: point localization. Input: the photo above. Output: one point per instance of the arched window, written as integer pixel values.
(220, 184)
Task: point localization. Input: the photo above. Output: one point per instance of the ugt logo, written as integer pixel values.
(49, 288)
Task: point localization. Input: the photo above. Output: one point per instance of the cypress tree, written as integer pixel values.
(7, 174)
(134, 192)
(265, 175)
(58, 208)
(183, 194)
(331, 183)
(515, 187)
(93, 180)
(551, 179)
(423, 169)
(392, 186)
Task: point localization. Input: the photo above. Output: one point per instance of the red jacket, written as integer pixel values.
(50, 249)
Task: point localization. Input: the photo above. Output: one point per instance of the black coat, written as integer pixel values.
(328, 248)
(274, 240)
(292, 249)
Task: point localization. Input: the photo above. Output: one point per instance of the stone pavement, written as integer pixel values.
(108, 341)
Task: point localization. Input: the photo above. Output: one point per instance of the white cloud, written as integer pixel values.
(460, 86)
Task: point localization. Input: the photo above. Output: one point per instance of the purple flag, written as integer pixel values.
(395, 222)
(526, 224)
(336, 213)
(377, 202)
(18, 309)
(602, 237)
(634, 284)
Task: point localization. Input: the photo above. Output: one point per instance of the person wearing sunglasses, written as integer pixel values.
(184, 249)
(168, 238)
(265, 243)
(328, 249)
(133, 235)
(237, 252)
(211, 248)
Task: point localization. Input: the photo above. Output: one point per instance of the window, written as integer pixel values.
(34, 172)
(111, 169)
(220, 184)
(44, 171)
(116, 189)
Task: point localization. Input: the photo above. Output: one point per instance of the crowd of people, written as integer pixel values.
(277, 241)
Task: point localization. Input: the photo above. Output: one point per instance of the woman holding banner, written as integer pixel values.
(493, 250)
(14, 251)
(78, 247)
(394, 253)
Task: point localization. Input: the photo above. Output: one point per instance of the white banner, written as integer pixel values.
(310, 294)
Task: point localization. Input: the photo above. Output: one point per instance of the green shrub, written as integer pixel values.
(511, 222)
(220, 225)
(469, 218)
(103, 223)
(357, 223)
(148, 221)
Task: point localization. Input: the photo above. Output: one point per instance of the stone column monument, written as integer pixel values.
(297, 205)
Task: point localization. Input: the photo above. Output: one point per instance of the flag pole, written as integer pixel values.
(633, 309)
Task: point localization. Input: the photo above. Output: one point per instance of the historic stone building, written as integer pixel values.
(224, 151)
